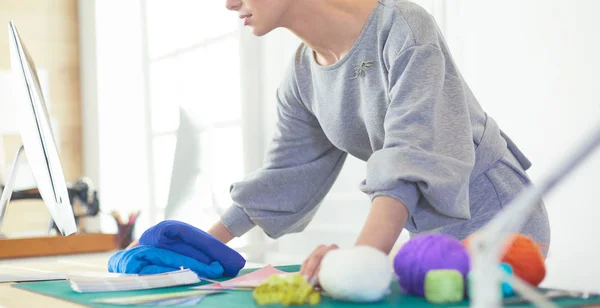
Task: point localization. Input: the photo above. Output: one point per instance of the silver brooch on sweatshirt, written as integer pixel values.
(360, 69)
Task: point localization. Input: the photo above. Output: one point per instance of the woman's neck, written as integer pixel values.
(330, 27)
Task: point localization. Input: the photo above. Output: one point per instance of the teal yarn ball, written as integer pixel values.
(507, 289)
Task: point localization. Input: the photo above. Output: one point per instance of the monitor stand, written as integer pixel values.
(50, 244)
(82, 197)
(8, 192)
(9, 186)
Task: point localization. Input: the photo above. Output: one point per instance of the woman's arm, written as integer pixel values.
(384, 224)
(219, 231)
(381, 230)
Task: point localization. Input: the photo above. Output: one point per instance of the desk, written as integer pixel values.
(11, 297)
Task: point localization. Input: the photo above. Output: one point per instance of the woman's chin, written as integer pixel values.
(259, 31)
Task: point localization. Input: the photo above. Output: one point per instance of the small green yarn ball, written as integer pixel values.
(444, 286)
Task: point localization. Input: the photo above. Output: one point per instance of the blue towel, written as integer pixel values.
(152, 260)
(190, 241)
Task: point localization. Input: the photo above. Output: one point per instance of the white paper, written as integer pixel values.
(88, 274)
(87, 283)
(37, 276)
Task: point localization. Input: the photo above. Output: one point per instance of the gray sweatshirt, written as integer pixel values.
(398, 102)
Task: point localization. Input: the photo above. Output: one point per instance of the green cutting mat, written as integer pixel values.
(237, 299)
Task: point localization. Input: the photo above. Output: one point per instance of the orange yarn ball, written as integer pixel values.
(525, 257)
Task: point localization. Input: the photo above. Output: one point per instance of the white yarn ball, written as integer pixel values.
(357, 274)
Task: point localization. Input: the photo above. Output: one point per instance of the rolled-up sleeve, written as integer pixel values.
(300, 169)
(428, 153)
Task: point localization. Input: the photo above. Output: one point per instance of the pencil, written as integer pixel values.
(117, 217)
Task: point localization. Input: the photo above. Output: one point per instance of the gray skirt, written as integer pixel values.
(495, 189)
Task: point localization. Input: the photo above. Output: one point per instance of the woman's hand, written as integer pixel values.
(133, 244)
(312, 264)
(384, 224)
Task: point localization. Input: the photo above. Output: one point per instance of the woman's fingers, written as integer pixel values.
(306, 261)
(314, 281)
(133, 244)
(310, 267)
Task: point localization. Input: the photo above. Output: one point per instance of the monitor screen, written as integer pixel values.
(38, 139)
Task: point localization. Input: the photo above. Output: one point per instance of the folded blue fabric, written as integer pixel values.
(190, 241)
(151, 260)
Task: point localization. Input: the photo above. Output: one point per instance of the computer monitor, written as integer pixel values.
(190, 186)
(38, 140)
(186, 176)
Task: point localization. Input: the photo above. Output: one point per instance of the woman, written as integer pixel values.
(375, 79)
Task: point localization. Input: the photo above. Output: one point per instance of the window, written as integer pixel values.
(192, 63)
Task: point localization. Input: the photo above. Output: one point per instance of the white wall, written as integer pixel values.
(534, 66)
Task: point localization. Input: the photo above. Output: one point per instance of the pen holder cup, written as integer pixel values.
(124, 235)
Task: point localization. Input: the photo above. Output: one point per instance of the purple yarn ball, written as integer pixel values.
(429, 252)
